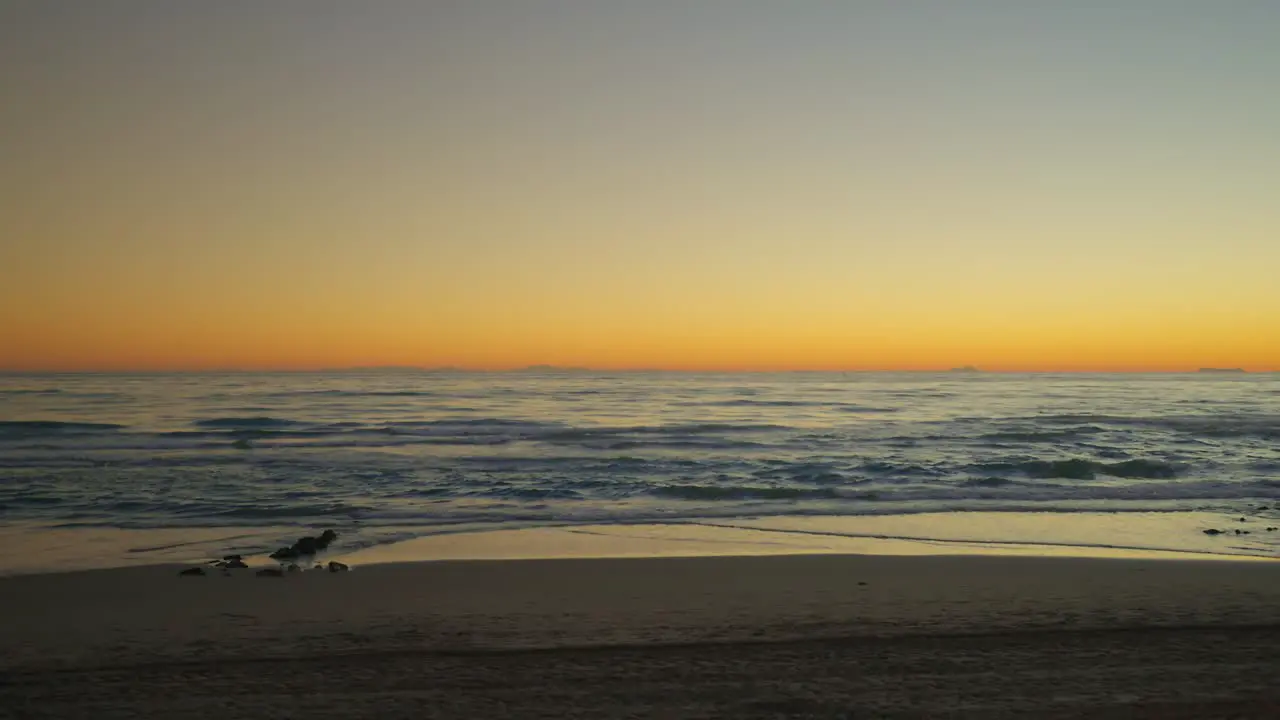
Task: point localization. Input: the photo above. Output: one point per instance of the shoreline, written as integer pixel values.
(33, 548)
(30, 548)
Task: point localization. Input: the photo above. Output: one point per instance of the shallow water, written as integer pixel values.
(390, 455)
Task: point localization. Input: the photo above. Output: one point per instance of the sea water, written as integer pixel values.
(388, 455)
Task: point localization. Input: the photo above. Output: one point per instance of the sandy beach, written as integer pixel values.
(768, 636)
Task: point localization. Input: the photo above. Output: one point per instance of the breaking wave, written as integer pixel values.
(1078, 469)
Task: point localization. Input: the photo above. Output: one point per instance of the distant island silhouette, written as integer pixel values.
(964, 369)
(1222, 370)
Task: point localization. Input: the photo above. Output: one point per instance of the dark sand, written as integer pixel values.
(787, 636)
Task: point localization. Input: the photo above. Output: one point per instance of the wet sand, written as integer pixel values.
(771, 636)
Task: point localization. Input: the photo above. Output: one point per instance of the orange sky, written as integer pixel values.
(744, 185)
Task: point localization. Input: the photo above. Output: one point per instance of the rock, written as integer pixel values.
(229, 558)
(1242, 520)
(335, 566)
(1271, 529)
(305, 546)
(293, 567)
(192, 571)
(270, 572)
(236, 565)
(242, 444)
(1212, 531)
(318, 567)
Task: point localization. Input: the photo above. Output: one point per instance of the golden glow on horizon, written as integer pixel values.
(488, 190)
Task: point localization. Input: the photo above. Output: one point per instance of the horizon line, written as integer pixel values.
(533, 369)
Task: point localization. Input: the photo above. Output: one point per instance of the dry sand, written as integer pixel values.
(774, 636)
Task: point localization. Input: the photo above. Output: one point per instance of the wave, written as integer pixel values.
(743, 492)
(53, 427)
(749, 402)
(1038, 436)
(346, 393)
(475, 422)
(1262, 425)
(698, 444)
(1078, 469)
(31, 391)
(988, 482)
(589, 433)
(244, 423)
(267, 431)
(290, 511)
(405, 504)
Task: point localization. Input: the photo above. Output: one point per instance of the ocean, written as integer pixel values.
(390, 455)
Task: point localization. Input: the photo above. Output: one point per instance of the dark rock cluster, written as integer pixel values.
(306, 546)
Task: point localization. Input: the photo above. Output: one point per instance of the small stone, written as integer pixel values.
(192, 571)
(1212, 531)
(1271, 529)
(270, 572)
(1242, 520)
(236, 564)
(335, 566)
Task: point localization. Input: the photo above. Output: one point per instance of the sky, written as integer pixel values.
(681, 184)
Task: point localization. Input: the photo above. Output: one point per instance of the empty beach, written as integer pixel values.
(771, 636)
